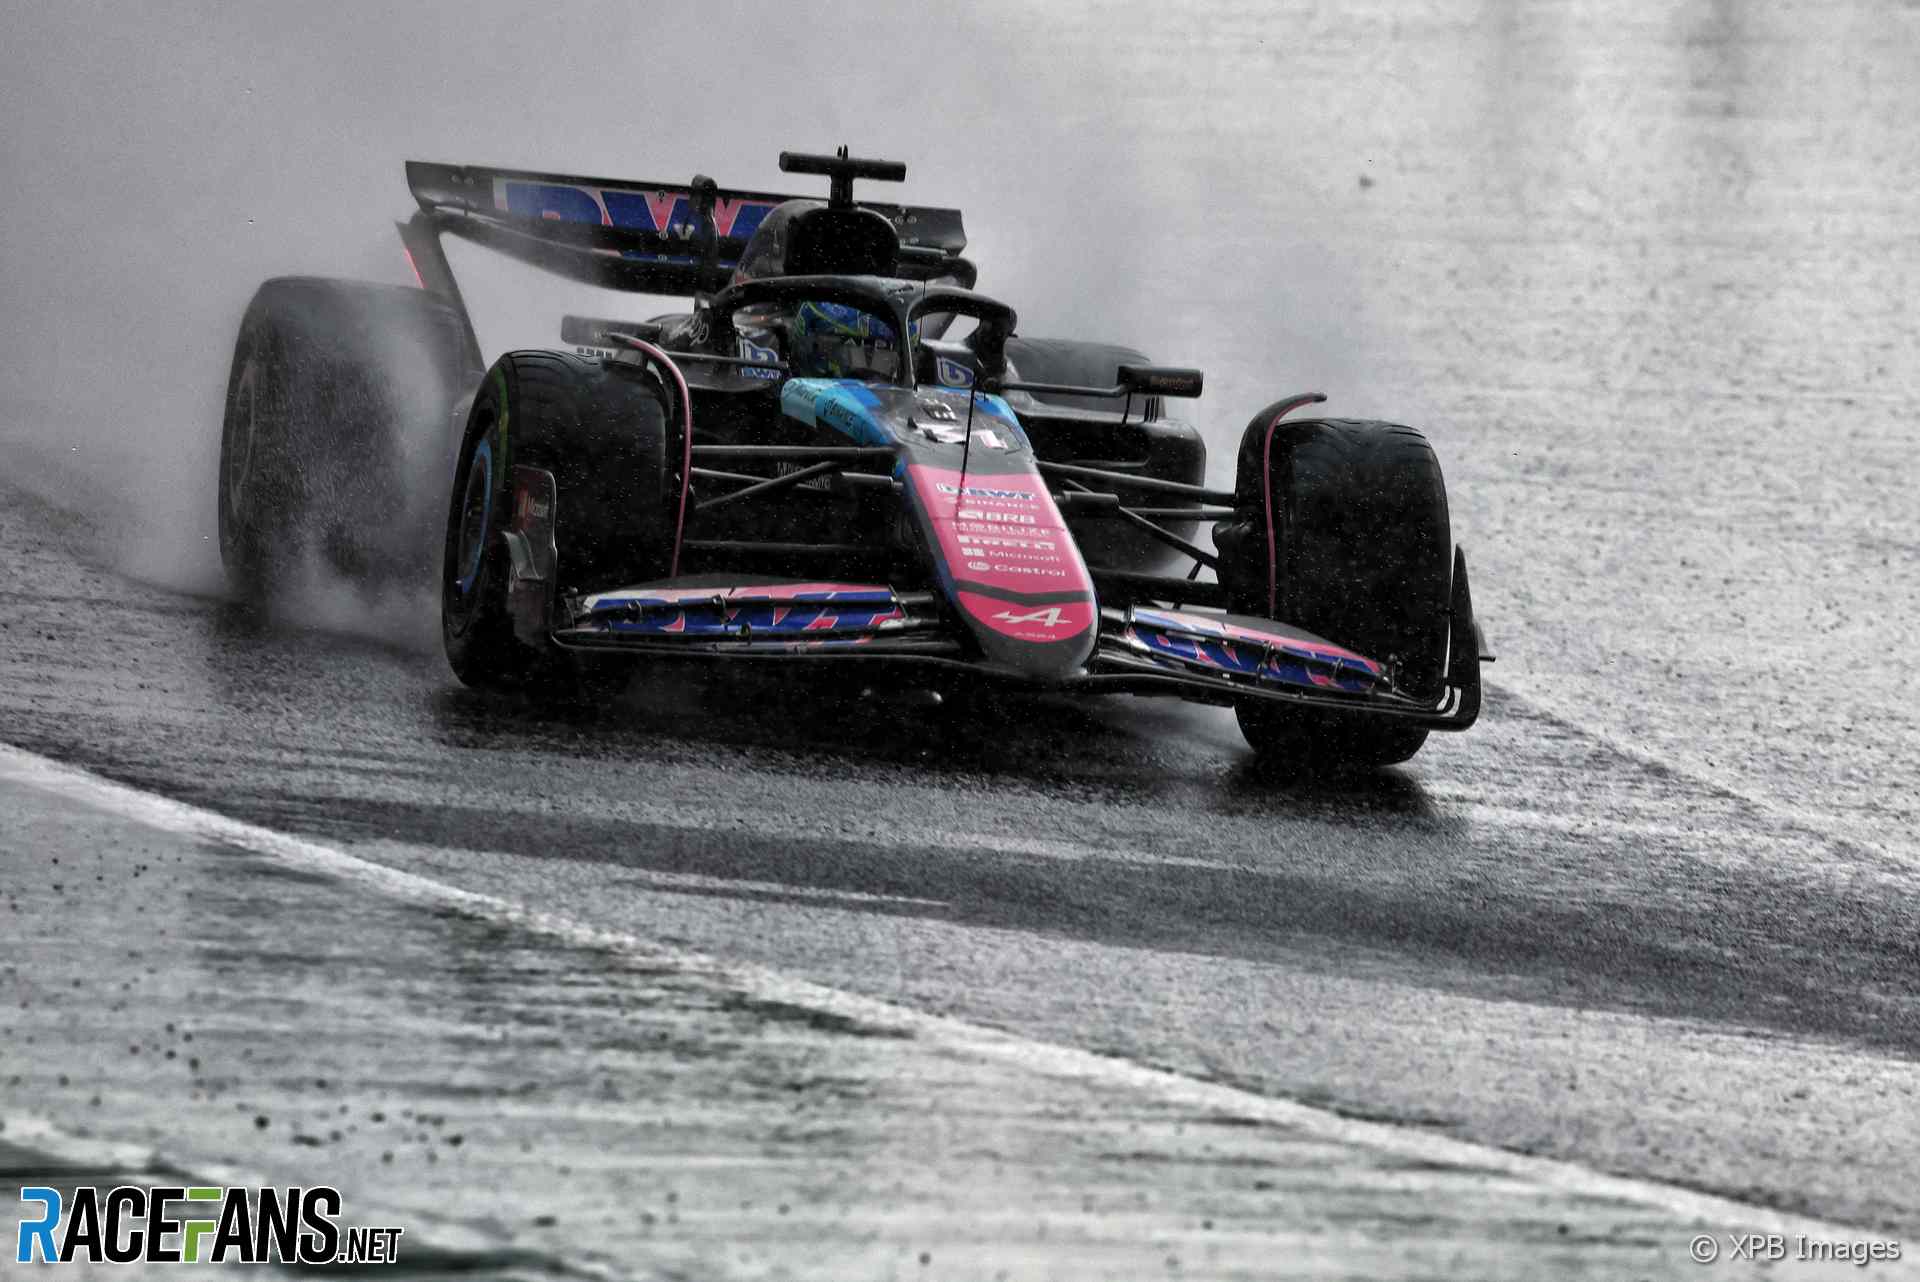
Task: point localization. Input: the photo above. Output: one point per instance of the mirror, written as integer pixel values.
(1161, 380)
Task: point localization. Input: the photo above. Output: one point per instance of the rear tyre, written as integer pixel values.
(602, 431)
(338, 415)
(1362, 554)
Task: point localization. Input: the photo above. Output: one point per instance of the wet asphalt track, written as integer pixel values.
(1645, 277)
(1528, 938)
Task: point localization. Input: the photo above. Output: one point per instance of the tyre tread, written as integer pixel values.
(1365, 550)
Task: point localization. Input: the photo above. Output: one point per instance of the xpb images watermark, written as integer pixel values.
(1771, 1248)
(171, 1225)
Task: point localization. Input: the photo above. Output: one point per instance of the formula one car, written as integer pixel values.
(841, 454)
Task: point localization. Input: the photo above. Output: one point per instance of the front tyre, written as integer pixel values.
(1314, 739)
(601, 431)
(1341, 528)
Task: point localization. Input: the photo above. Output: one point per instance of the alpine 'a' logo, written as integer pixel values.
(1049, 617)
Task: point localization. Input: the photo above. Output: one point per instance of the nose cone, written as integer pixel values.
(1008, 564)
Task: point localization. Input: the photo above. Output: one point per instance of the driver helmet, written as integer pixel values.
(834, 340)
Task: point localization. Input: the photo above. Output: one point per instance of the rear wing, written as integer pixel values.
(641, 237)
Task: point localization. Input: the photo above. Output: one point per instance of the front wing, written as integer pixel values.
(1209, 658)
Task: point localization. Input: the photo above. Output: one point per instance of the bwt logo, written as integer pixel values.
(669, 213)
(249, 1225)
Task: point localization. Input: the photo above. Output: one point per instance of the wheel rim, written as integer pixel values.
(476, 514)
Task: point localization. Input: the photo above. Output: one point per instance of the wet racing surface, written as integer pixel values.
(1527, 938)
(1645, 280)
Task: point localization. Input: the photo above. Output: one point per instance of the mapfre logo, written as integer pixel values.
(175, 1224)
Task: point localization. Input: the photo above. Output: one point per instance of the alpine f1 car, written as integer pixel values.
(841, 454)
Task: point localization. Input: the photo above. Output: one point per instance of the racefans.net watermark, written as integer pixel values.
(162, 1224)
(1778, 1248)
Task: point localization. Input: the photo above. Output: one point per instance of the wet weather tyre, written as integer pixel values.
(602, 431)
(1359, 551)
(337, 424)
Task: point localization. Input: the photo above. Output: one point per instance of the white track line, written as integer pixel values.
(683, 881)
(1061, 1062)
